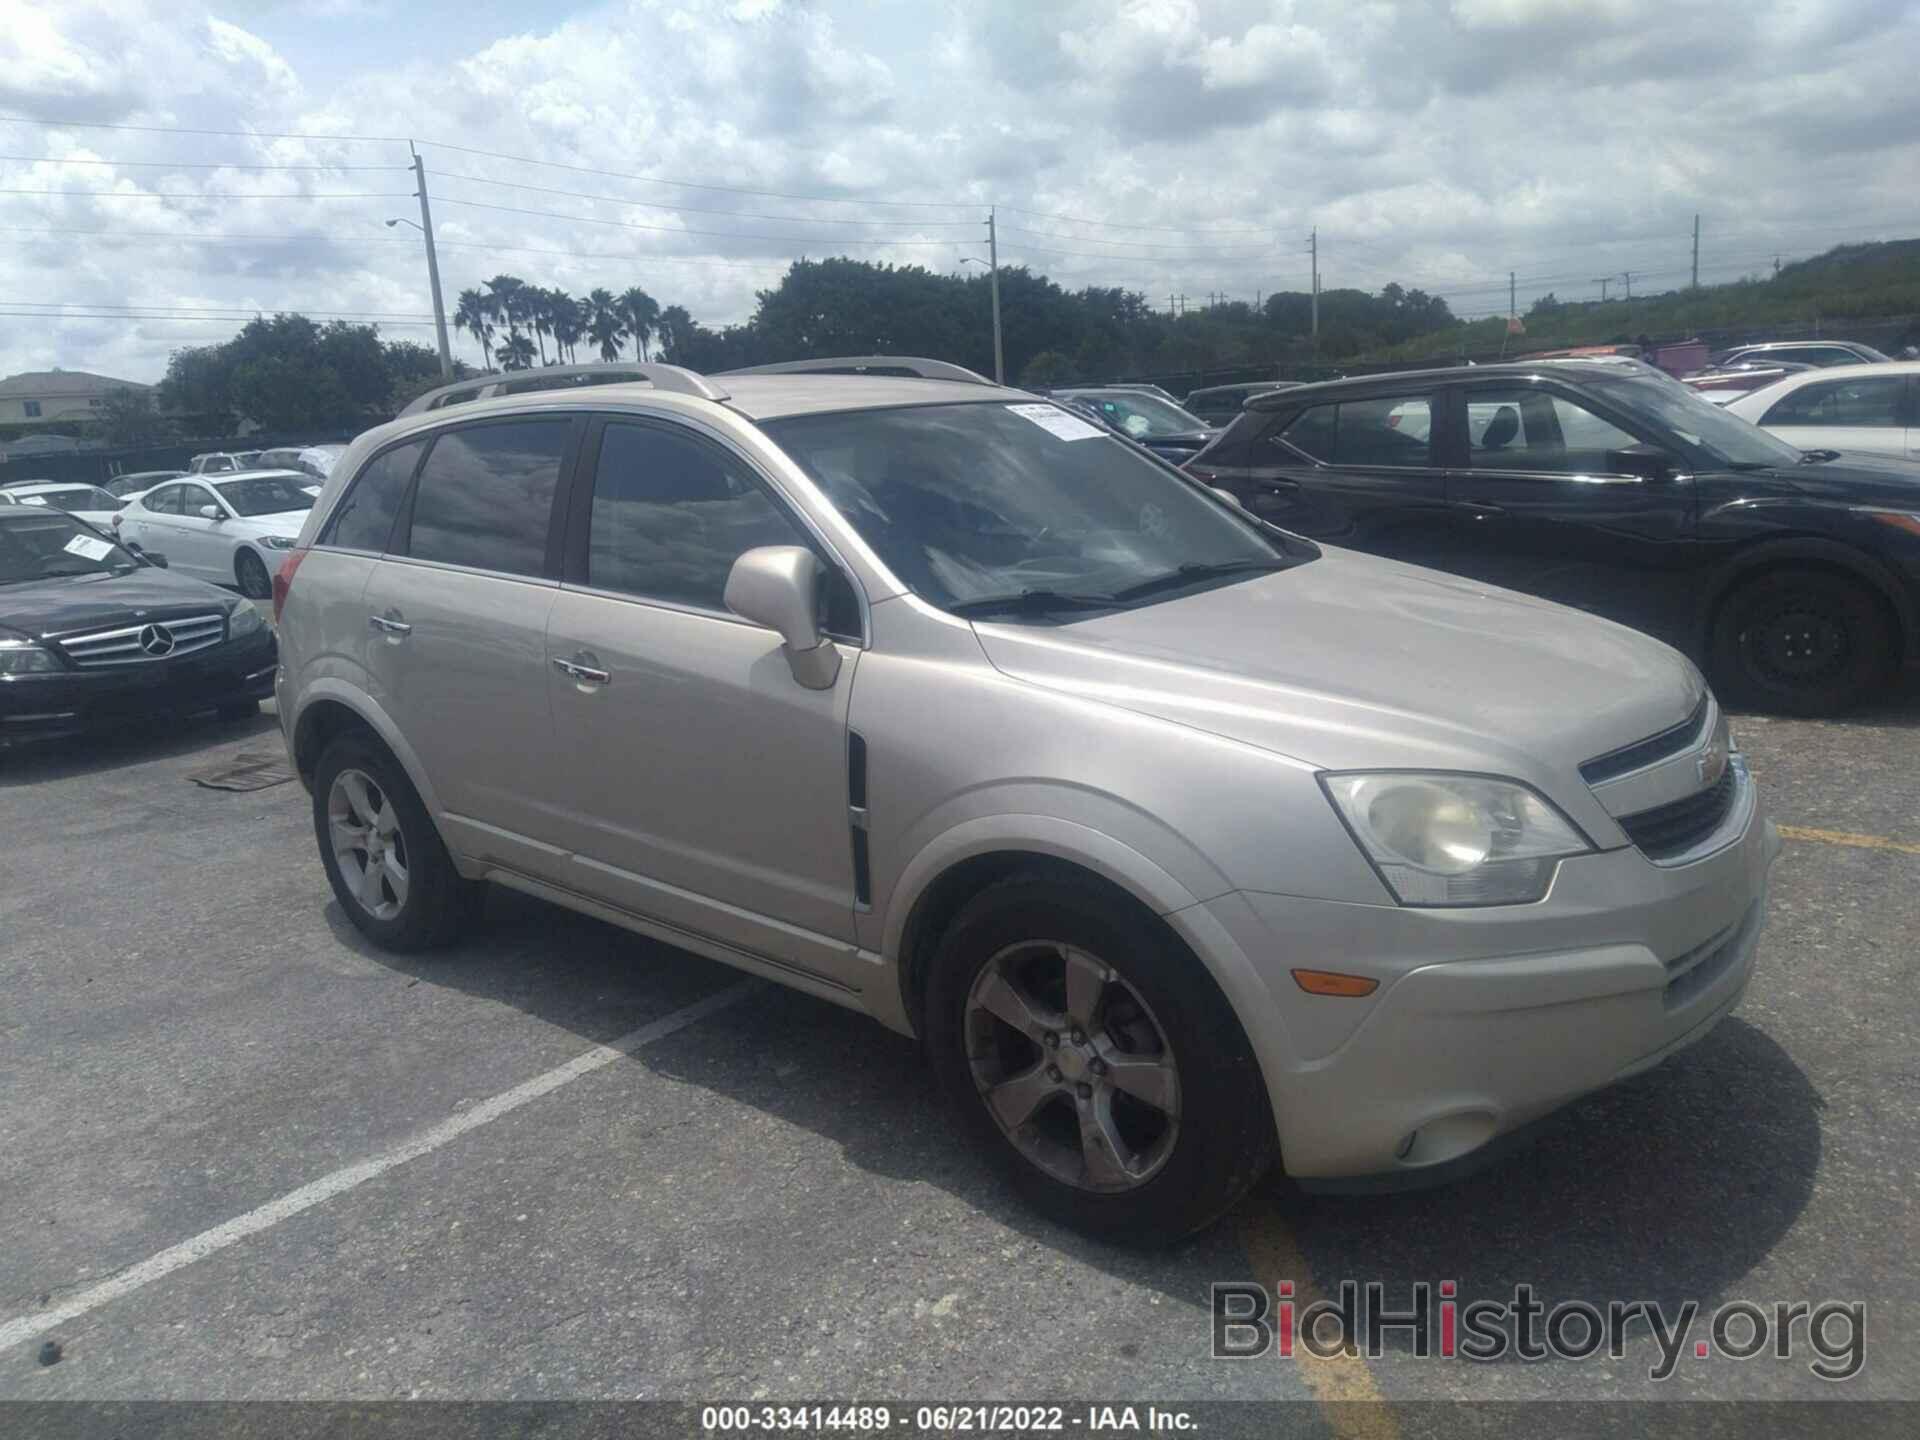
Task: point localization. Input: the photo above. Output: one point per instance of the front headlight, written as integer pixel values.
(244, 620)
(1441, 839)
(23, 657)
(277, 542)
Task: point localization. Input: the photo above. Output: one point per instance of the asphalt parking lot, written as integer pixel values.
(759, 1196)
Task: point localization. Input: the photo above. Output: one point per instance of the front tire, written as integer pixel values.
(250, 572)
(1094, 1061)
(1801, 642)
(383, 856)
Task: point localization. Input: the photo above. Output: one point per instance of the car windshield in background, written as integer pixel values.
(1143, 416)
(264, 495)
(1698, 421)
(44, 544)
(977, 503)
(74, 497)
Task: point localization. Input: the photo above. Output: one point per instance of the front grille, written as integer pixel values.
(135, 644)
(1674, 828)
(1650, 751)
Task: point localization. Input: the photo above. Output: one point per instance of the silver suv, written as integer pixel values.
(1183, 844)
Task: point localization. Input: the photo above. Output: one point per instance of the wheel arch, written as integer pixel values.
(329, 709)
(1812, 552)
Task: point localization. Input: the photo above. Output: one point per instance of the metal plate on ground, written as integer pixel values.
(247, 770)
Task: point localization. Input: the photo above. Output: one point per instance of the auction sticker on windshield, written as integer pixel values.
(88, 548)
(1056, 421)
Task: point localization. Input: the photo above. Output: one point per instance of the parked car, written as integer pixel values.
(129, 485)
(1856, 409)
(91, 634)
(224, 462)
(91, 503)
(1219, 404)
(230, 529)
(1160, 425)
(1729, 382)
(1804, 352)
(1795, 578)
(315, 460)
(1184, 843)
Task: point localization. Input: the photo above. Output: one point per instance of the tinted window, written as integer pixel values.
(1389, 430)
(1525, 428)
(671, 514)
(167, 500)
(1312, 432)
(485, 496)
(1874, 402)
(365, 518)
(264, 495)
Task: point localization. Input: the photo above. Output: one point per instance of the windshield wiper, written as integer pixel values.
(1193, 571)
(1030, 602)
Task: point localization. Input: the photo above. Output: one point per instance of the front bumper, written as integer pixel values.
(37, 706)
(1486, 1020)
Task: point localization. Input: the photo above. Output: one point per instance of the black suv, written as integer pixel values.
(1794, 576)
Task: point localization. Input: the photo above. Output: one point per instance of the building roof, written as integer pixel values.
(35, 384)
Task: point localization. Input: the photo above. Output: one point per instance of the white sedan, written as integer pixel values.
(84, 502)
(1873, 409)
(230, 529)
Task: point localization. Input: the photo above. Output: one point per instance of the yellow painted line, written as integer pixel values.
(1336, 1383)
(1847, 837)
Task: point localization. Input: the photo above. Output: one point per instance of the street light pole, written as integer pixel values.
(433, 267)
(993, 270)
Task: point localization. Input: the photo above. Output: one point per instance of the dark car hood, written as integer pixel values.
(1188, 441)
(59, 606)
(1857, 478)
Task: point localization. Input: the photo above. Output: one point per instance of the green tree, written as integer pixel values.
(640, 312)
(127, 417)
(604, 325)
(568, 320)
(515, 353)
(473, 312)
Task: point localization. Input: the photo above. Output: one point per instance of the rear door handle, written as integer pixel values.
(585, 674)
(388, 625)
(1276, 482)
(1481, 509)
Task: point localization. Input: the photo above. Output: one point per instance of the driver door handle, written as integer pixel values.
(388, 625)
(585, 674)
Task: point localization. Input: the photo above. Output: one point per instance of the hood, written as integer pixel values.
(1184, 440)
(1858, 478)
(281, 522)
(1351, 662)
(44, 609)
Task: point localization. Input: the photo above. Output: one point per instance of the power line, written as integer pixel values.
(689, 209)
(1128, 244)
(678, 230)
(1117, 225)
(188, 310)
(219, 194)
(190, 164)
(187, 130)
(181, 319)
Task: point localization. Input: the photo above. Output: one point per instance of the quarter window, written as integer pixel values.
(485, 496)
(671, 514)
(1528, 429)
(365, 518)
(1871, 403)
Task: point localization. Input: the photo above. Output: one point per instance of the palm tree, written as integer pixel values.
(641, 312)
(569, 321)
(605, 327)
(539, 316)
(515, 353)
(473, 313)
(674, 329)
(508, 294)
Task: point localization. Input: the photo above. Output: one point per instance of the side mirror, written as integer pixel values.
(1649, 462)
(210, 512)
(775, 586)
(152, 557)
(1228, 496)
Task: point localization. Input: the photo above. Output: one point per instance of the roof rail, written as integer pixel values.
(910, 366)
(567, 377)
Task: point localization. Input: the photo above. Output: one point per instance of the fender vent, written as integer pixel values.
(857, 817)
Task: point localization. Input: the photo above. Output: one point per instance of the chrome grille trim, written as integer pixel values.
(121, 645)
(1675, 740)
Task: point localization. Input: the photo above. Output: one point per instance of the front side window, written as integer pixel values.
(1526, 428)
(671, 514)
(1022, 505)
(1682, 414)
(485, 496)
(1866, 402)
(364, 519)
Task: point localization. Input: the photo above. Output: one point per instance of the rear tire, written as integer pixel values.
(1801, 642)
(389, 869)
(251, 574)
(1130, 1107)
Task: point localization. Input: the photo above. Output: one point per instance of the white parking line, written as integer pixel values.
(209, 1242)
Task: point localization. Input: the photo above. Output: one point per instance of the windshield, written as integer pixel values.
(38, 546)
(264, 495)
(74, 497)
(1684, 411)
(1141, 415)
(978, 502)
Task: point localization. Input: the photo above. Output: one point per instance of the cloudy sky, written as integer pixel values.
(211, 162)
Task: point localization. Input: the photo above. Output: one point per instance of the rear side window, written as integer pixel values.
(1868, 402)
(485, 496)
(1386, 430)
(166, 500)
(364, 519)
(671, 514)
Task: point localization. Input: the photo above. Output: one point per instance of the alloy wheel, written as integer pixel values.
(368, 844)
(1073, 1066)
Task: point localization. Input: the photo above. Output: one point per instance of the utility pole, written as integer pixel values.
(1603, 281)
(433, 267)
(1627, 275)
(1313, 247)
(1696, 253)
(1513, 306)
(993, 270)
